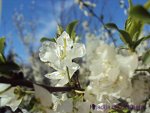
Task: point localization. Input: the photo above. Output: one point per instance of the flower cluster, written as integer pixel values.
(113, 75)
(107, 76)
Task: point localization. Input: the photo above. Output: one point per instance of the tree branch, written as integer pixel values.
(147, 70)
(29, 84)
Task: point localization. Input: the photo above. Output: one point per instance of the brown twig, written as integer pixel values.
(147, 70)
(29, 84)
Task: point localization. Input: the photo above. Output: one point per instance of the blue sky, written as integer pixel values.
(46, 17)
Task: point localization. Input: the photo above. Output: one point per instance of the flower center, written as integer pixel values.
(64, 51)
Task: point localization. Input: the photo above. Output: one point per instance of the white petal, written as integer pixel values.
(10, 99)
(113, 74)
(62, 82)
(106, 52)
(128, 63)
(78, 50)
(73, 67)
(11, 102)
(8, 93)
(48, 52)
(65, 106)
(54, 75)
(44, 95)
(3, 86)
(64, 36)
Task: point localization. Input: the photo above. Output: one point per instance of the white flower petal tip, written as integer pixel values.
(54, 75)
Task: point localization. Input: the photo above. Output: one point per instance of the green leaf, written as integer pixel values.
(70, 29)
(141, 40)
(47, 39)
(146, 37)
(140, 13)
(2, 44)
(130, 3)
(147, 4)
(8, 67)
(111, 25)
(59, 30)
(2, 59)
(146, 57)
(134, 27)
(125, 37)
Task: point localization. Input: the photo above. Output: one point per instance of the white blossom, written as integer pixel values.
(59, 55)
(46, 99)
(111, 72)
(9, 98)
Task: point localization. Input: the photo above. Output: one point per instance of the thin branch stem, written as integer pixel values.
(67, 69)
(26, 83)
(148, 70)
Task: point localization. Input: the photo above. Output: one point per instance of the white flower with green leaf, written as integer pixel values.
(59, 55)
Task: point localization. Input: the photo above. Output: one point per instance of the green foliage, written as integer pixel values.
(2, 59)
(140, 41)
(130, 3)
(147, 4)
(59, 30)
(133, 27)
(2, 44)
(140, 13)
(70, 29)
(111, 25)
(47, 39)
(125, 37)
(138, 16)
